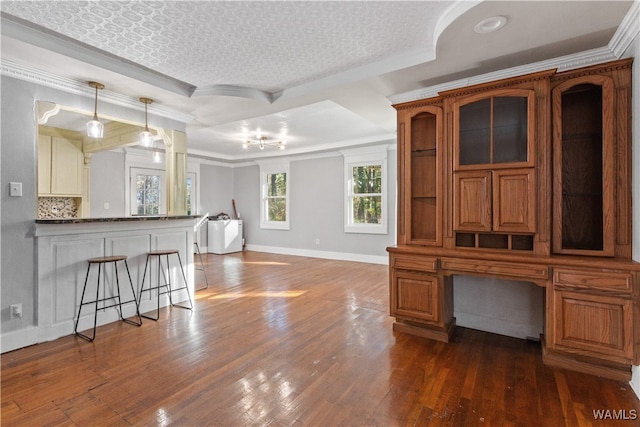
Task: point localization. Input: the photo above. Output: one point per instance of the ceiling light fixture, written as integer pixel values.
(490, 25)
(95, 129)
(262, 141)
(146, 137)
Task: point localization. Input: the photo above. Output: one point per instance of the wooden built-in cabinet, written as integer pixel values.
(527, 178)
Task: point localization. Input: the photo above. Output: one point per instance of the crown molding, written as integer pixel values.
(563, 63)
(627, 31)
(231, 90)
(44, 78)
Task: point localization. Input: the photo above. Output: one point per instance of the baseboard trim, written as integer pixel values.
(340, 256)
(14, 340)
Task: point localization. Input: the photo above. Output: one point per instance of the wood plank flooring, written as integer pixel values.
(291, 341)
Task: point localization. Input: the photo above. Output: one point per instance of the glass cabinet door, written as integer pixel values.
(494, 130)
(422, 155)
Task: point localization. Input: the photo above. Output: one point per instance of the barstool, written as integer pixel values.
(100, 261)
(167, 281)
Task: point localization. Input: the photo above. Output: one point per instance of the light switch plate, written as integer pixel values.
(15, 189)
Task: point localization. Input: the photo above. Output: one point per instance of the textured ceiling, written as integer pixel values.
(265, 45)
(326, 69)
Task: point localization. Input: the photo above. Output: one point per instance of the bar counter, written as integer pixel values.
(65, 245)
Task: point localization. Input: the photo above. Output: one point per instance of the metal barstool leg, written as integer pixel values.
(167, 278)
(131, 322)
(186, 284)
(75, 329)
(206, 281)
(144, 275)
(115, 267)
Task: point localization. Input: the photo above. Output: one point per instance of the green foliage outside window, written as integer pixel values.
(189, 192)
(148, 194)
(277, 197)
(367, 194)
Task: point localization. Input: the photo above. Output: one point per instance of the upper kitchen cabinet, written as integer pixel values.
(591, 161)
(59, 166)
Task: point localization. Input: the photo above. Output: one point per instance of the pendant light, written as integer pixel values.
(146, 137)
(156, 156)
(95, 129)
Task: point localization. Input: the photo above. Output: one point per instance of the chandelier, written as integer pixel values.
(262, 141)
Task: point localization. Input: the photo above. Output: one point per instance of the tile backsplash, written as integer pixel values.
(57, 207)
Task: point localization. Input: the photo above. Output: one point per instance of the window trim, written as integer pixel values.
(368, 156)
(271, 167)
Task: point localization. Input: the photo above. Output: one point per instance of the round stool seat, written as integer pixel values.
(112, 258)
(164, 252)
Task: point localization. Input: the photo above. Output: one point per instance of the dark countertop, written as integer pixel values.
(116, 219)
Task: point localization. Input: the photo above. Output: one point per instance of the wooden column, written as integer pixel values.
(176, 170)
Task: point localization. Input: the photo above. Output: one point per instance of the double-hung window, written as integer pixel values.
(147, 192)
(366, 190)
(274, 194)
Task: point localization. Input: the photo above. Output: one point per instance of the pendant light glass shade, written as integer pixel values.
(146, 137)
(95, 129)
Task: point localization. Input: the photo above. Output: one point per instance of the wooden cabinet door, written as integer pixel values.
(593, 325)
(44, 165)
(66, 168)
(472, 201)
(514, 196)
(415, 295)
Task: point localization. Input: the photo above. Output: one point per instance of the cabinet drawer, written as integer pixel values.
(416, 263)
(512, 269)
(612, 281)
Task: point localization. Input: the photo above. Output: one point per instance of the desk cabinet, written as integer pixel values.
(515, 179)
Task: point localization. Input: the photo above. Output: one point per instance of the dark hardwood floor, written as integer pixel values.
(292, 341)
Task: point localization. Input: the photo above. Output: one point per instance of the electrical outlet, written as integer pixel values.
(317, 241)
(16, 311)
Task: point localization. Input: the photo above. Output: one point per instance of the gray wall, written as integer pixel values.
(316, 210)
(108, 181)
(216, 192)
(18, 213)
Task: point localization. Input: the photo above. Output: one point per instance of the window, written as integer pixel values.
(192, 194)
(274, 200)
(147, 192)
(365, 190)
